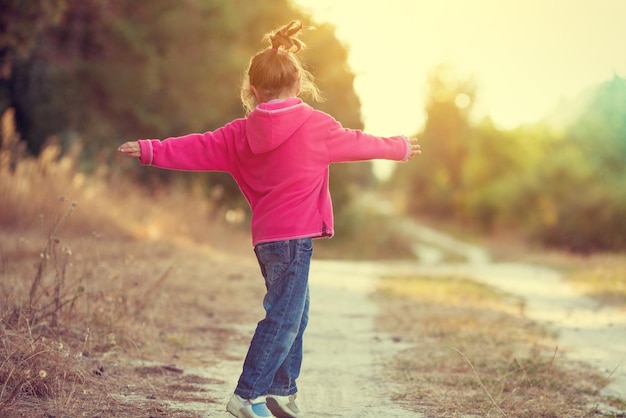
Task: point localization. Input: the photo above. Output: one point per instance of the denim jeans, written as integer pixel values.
(273, 362)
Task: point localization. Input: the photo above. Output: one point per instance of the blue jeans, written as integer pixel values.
(273, 362)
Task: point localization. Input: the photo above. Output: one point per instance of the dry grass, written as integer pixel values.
(138, 307)
(472, 353)
(122, 303)
(90, 294)
(601, 276)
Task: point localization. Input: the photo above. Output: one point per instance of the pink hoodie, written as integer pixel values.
(279, 156)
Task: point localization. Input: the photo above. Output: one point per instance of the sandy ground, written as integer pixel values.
(344, 354)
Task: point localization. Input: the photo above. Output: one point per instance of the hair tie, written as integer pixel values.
(275, 49)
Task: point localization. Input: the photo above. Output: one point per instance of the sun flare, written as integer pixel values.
(523, 56)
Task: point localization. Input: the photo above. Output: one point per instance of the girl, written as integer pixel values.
(279, 155)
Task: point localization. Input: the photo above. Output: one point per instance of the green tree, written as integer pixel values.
(436, 183)
(585, 178)
(565, 190)
(112, 70)
(123, 68)
(497, 164)
(601, 128)
(22, 24)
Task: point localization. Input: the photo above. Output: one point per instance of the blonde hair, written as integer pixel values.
(277, 69)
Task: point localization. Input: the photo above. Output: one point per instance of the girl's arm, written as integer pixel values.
(347, 145)
(210, 151)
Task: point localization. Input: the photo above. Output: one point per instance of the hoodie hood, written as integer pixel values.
(273, 122)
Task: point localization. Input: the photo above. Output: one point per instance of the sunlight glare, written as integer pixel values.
(462, 101)
(524, 56)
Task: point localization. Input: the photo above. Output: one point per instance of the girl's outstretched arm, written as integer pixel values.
(130, 148)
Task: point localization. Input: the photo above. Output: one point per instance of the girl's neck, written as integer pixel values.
(281, 98)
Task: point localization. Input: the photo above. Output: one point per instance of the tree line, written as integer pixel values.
(561, 181)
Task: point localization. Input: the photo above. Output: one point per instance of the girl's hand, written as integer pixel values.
(131, 149)
(415, 148)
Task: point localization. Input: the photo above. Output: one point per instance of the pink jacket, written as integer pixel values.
(279, 156)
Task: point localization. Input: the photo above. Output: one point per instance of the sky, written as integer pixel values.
(524, 55)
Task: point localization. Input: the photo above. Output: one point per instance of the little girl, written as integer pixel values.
(279, 156)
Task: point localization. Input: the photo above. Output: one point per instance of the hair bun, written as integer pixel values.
(286, 37)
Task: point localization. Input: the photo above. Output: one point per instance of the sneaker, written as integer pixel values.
(284, 406)
(248, 408)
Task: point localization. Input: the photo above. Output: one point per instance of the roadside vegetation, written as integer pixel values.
(559, 183)
(469, 351)
(601, 276)
(91, 307)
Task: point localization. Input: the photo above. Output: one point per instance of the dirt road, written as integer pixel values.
(341, 375)
(344, 355)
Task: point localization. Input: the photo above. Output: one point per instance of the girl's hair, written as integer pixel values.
(277, 69)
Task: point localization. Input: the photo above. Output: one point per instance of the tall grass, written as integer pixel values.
(70, 288)
(42, 343)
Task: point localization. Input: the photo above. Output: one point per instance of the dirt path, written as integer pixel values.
(586, 331)
(345, 355)
(341, 375)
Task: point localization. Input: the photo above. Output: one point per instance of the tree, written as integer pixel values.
(496, 166)
(437, 182)
(21, 26)
(105, 71)
(601, 128)
(586, 177)
(117, 69)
